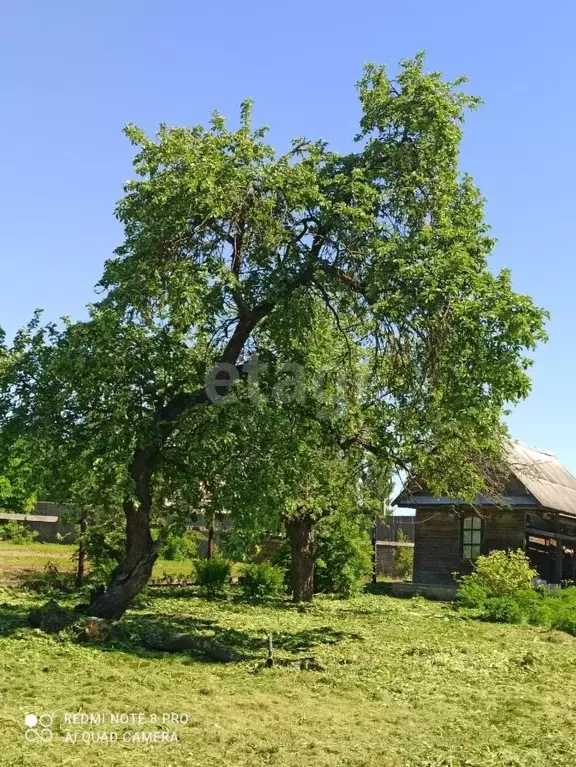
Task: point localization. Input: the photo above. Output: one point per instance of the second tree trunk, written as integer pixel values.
(300, 531)
(134, 572)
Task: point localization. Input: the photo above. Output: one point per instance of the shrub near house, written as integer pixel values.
(501, 590)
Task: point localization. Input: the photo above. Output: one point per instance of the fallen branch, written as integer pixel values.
(182, 642)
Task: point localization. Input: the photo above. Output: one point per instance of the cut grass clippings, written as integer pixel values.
(408, 683)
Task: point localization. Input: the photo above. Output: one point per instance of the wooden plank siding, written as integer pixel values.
(504, 529)
(436, 545)
(438, 542)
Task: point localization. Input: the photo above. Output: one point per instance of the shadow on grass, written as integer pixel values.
(302, 641)
(140, 624)
(136, 628)
(12, 618)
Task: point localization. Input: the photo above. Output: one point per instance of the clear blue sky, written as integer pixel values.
(73, 73)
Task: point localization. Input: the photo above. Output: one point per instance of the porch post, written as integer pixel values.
(558, 561)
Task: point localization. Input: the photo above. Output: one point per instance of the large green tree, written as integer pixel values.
(224, 237)
(298, 457)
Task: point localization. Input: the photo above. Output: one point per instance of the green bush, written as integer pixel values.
(212, 575)
(507, 609)
(17, 532)
(500, 574)
(499, 593)
(344, 555)
(403, 559)
(263, 580)
(100, 574)
(471, 594)
(282, 559)
(104, 544)
(557, 610)
(180, 546)
(565, 622)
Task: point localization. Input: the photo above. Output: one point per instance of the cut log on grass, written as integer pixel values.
(205, 645)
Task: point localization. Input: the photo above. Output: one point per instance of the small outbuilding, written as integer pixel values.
(535, 511)
(48, 521)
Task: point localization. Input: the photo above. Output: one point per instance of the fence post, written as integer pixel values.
(81, 549)
(374, 552)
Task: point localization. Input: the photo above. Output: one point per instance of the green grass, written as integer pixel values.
(38, 549)
(408, 684)
(17, 560)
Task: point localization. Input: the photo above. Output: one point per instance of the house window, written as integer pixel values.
(471, 537)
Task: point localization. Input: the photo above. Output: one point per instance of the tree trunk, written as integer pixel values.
(300, 531)
(375, 552)
(81, 549)
(211, 545)
(135, 570)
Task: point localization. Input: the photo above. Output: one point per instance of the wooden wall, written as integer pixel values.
(504, 530)
(438, 544)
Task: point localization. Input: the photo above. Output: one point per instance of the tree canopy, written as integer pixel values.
(230, 248)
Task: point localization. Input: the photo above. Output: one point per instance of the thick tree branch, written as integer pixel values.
(187, 400)
(350, 282)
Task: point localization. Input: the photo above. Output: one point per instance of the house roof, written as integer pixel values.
(547, 482)
(544, 477)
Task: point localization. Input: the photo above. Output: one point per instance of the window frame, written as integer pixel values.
(476, 526)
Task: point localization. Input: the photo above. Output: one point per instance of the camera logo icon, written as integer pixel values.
(38, 728)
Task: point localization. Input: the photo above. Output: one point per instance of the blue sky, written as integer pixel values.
(71, 74)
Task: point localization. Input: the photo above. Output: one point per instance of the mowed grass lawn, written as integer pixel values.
(18, 560)
(407, 683)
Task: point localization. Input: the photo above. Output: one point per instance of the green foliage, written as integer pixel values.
(179, 546)
(403, 559)
(471, 593)
(263, 580)
(554, 608)
(505, 609)
(281, 559)
(16, 532)
(344, 555)
(104, 545)
(551, 608)
(500, 574)
(500, 590)
(212, 575)
(558, 610)
(374, 261)
(17, 486)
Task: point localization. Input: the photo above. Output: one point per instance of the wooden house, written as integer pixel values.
(536, 511)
